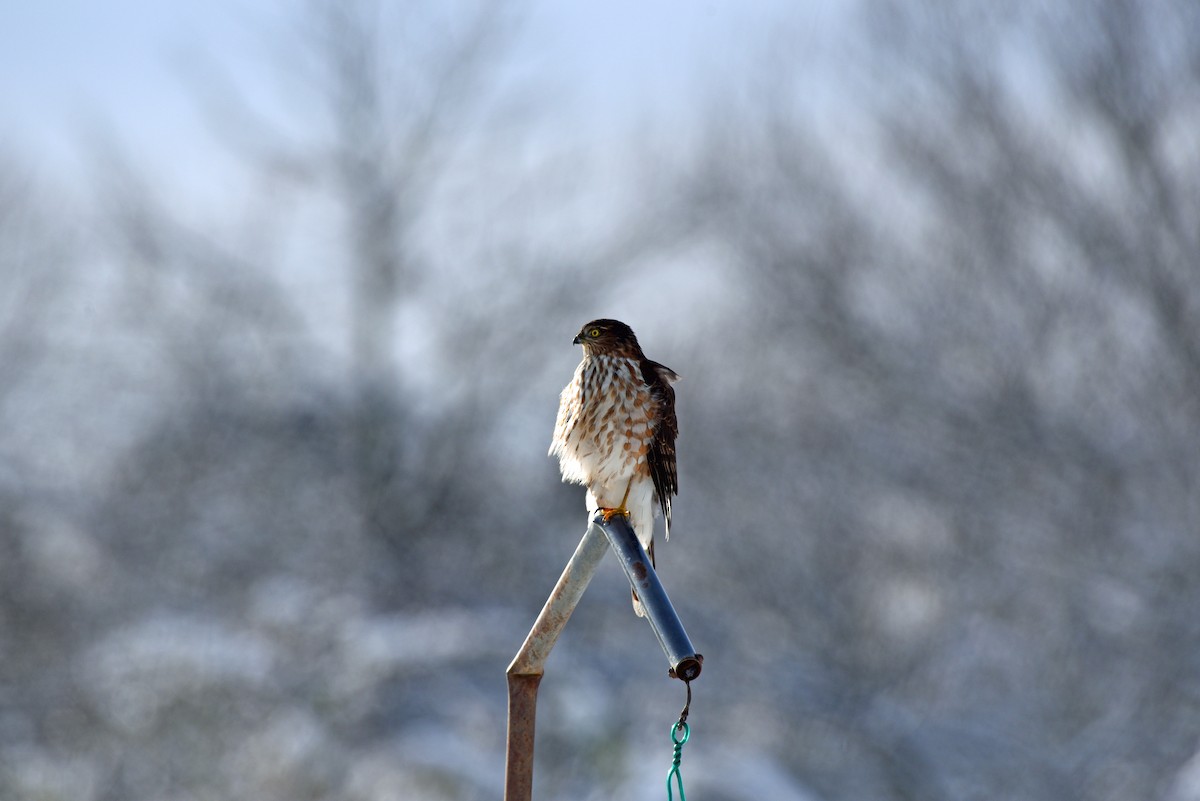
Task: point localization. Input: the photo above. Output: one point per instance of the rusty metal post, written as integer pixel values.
(522, 714)
(528, 666)
(525, 672)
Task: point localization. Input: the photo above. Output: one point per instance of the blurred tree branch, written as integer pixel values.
(1001, 333)
(31, 264)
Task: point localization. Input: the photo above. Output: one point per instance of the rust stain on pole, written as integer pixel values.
(522, 714)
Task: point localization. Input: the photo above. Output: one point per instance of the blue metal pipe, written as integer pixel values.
(684, 661)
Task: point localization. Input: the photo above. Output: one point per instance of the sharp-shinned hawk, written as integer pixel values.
(616, 430)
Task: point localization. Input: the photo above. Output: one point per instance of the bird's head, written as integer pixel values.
(608, 338)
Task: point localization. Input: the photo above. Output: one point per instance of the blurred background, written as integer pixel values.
(287, 293)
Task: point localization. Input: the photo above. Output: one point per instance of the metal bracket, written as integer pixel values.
(526, 670)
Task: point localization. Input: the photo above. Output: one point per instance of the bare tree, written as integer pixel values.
(980, 368)
(936, 532)
(32, 262)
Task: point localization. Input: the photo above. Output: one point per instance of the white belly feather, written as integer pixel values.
(602, 438)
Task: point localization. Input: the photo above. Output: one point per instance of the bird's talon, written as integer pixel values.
(609, 514)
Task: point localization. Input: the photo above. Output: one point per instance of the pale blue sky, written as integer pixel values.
(67, 64)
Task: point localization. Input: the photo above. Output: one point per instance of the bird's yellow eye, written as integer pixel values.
(594, 332)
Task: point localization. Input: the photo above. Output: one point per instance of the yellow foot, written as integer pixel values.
(609, 514)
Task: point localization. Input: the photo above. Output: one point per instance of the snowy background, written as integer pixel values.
(287, 294)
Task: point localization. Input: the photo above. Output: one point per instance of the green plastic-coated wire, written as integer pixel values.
(673, 773)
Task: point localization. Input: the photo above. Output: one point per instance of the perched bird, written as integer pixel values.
(616, 430)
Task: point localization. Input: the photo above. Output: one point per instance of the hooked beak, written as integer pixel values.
(577, 340)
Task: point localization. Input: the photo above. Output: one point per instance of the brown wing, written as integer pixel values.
(662, 450)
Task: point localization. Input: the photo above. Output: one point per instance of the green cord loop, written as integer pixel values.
(680, 726)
